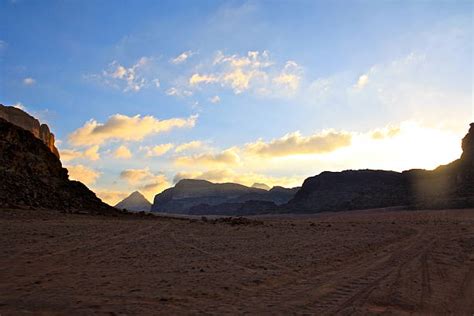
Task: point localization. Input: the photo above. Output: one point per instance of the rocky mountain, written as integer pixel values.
(448, 186)
(188, 194)
(22, 119)
(135, 202)
(31, 176)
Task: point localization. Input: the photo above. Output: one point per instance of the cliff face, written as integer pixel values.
(27, 122)
(31, 176)
(448, 186)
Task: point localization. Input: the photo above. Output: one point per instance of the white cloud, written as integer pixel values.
(181, 58)
(29, 81)
(174, 91)
(215, 99)
(146, 181)
(128, 78)
(128, 128)
(362, 81)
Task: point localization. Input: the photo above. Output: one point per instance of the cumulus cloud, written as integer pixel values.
(29, 81)
(226, 157)
(122, 152)
(181, 58)
(128, 128)
(83, 174)
(128, 78)
(158, 150)
(296, 144)
(91, 153)
(195, 144)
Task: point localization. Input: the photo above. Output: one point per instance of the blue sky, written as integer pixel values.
(266, 91)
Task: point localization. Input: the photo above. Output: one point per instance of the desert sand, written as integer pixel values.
(362, 262)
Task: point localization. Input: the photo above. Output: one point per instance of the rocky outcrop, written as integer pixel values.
(189, 193)
(135, 202)
(252, 207)
(31, 176)
(448, 186)
(22, 119)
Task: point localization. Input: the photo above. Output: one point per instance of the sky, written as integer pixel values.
(141, 94)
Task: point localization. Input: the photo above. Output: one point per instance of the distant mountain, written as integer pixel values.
(189, 193)
(22, 119)
(262, 186)
(448, 186)
(31, 176)
(134, 202)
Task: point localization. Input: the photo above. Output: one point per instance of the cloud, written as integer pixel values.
(127, 78)
(174, 91)
(123, 152)
(181, 58)
(128, 128)
(157, 82)
(290, 77)
(296, 144)
(226, 157)
(83, 174)
(362, 82)
(386, 132)
(91, 153)
(195, 144)
(215, 99)
(197, 79)
(158, 150)
(254, 71)
(29, 81)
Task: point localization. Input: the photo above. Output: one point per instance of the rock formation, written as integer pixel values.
(24, 120)
(448, 186)
(135, 202)
(31, 176)
(262, 186)
(188, 194)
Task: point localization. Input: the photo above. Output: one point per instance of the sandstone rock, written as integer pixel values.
(22, 119)
(135, 202)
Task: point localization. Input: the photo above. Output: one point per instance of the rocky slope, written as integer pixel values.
(24, 120)
(201, 195)
(135, 202)
(32, 176)
(447, 186)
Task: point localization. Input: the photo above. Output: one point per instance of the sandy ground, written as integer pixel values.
(369, 262)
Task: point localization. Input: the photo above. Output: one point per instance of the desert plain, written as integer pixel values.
(347, 263)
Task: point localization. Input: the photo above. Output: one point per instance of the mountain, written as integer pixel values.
(262, 186)
(190, 193)
(134, 202)
(31, 176)
(22, 119)
(448, 186)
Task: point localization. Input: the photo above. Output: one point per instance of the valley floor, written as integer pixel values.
(398, 262)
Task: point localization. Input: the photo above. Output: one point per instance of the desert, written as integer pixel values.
(349, 263)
